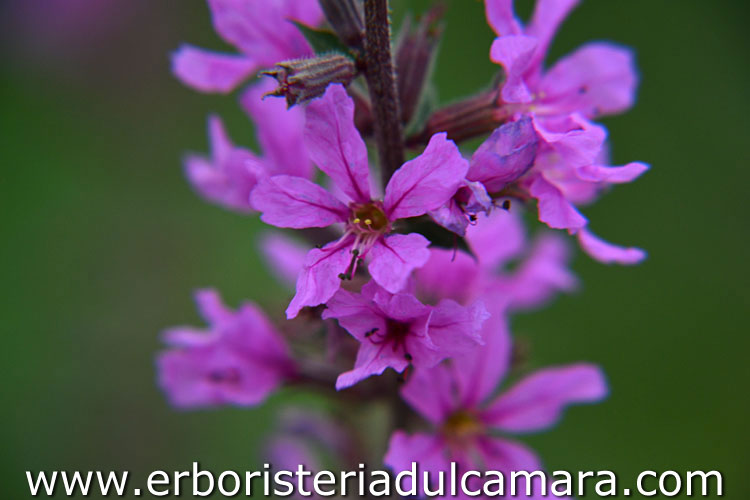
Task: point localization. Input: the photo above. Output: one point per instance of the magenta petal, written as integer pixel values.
(541, 275)
(537, 401)
(455, 329)
(279, 130)
(448, 274)
(501, 18)
(515, 54)
(611, 175)
(209, 71)
(394, 258)
(506, 456)
(284, 255)
(427, 450)
(496, 238)
(554, 209)
(431, 392)
(428, 181)
(608, 253)
(547, 17)
(371, 360)
(261, 29)
(355, 313)
(335, 145)
(287, 201)
(505, 156)
(479, 374)
(597, 79)
(319, 279)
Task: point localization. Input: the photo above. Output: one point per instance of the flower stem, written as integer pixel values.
(381, 83)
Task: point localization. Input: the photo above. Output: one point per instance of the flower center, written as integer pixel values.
(462, 425)
(395, 335)
(368, 218)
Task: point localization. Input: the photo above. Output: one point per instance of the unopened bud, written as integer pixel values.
(414, 57)
(465, 119)
(304, 79)
(346, 17)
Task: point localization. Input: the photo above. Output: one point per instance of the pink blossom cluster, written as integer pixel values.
(374, 290)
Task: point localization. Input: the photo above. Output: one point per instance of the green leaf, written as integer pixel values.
(323, 41)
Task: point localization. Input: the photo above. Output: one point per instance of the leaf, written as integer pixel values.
(323, 41)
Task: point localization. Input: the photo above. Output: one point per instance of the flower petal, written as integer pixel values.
(261, 29)
(319, 279)
(480, 373)
(448, 274)
(496, 238)
(505, 156)
(287, 201)
(515, 54)
(611, 175)
(607, 253)
(394, 258)
(537, 401)
(280, 132)
(371, 360)
(597, 79)
(427, 450)
(546, 19)
(554, 209)
(505, 455)
(501, 18)
(208, 71)
(335, 145)
(431, 392)
(428, 181)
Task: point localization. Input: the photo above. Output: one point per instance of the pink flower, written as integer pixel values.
(229, 175)
(597, 79)
(497, 240)
(396, 330)
(505, 156)
(262, 31)
(457, 399)
(423, 184)
(239, 360)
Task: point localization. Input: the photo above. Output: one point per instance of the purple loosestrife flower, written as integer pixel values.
(423, 184)
(597, 79)
(228, 176)
(239, 360)
(457, 399)
(396, 330)
(262, 31)
(505, 156)
(496, 240)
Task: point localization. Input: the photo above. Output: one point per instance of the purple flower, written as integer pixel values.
(496, 240)
(239, 360)
(457, 398)
(228, 176)
(505, 156)
(597, 79)
(423, 184)
(262, 31)
(396, 330)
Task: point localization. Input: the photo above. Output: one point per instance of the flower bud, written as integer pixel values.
(304, 79)
(346, 17)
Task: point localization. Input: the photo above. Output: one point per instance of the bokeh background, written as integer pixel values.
(102, 242)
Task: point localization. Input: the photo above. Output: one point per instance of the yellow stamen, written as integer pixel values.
(356, 221)
(368, 222)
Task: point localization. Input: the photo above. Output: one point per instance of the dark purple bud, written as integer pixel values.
(346, 17)
(414, 57)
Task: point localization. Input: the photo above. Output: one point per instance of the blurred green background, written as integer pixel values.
(103, 242)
